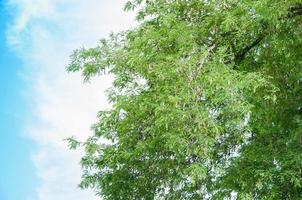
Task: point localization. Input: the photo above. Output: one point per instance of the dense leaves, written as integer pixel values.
(206, 102)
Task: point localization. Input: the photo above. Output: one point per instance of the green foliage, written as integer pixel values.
(206, 102)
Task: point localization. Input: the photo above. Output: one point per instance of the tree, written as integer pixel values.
(206, 102)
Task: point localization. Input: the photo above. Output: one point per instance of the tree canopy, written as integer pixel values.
(206, 102)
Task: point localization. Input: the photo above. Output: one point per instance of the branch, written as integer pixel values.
(293, 11)
(242, 53)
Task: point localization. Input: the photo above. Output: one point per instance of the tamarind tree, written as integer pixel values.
(206, 102)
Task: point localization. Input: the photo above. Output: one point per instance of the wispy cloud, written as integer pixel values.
(43, 34)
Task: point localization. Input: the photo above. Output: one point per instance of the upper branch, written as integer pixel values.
(294, 11)
(242, 53)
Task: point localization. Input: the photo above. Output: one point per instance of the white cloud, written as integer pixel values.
(43, 34)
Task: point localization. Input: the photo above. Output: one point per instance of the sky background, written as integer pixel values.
(40, 103)
(16, 182)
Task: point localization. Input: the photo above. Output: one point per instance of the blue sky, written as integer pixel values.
(40, 103)
(17, 175)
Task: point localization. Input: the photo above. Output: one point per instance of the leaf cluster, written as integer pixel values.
(206, 103)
